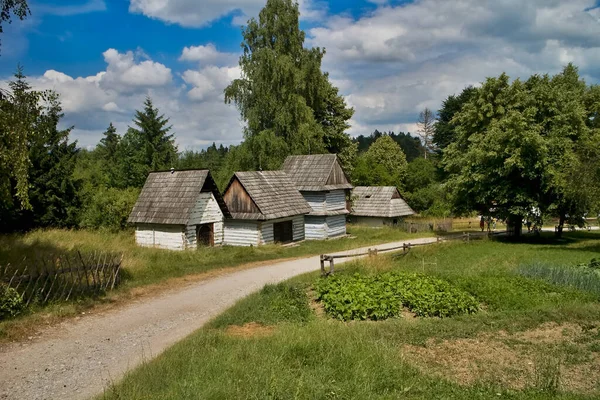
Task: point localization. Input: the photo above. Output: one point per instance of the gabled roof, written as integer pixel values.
(169, 197)
(272, 192)
(317, 172)
(379, 201)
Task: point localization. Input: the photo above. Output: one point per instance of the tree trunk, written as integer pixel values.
(514, 225)
(561, 223)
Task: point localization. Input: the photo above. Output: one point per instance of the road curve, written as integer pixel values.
(77, 359)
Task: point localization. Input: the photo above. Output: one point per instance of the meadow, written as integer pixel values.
(146, 271)
(532, 334)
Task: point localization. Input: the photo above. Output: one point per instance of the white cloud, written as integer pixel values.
(396, 60)
(207, 54)
(209, 82)
(73, 9)
(123, 73)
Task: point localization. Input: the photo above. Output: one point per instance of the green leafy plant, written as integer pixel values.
(383, 296)
(11, 302)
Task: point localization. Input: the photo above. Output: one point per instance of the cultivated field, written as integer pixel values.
(515, 327)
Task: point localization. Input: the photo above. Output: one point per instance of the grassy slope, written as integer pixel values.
(314, 357)
(144, 266)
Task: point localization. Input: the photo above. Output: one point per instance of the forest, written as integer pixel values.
(510, 148)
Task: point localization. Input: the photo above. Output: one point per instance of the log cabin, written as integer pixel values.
(323, 183)
(179, 210)
(265, 208)
(378, 205)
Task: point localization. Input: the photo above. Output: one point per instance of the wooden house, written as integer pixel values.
(324, 184)
(179, 210)
(265, 208)
(378, 205)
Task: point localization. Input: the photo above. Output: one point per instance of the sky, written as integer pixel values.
(390, 59)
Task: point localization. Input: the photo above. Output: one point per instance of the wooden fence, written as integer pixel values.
(62, 277)
(465, 237)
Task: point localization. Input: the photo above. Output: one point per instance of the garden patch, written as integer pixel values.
(383, 296)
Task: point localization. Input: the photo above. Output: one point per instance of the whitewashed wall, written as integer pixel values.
(190, 234)
(315, 227)
(375, 222)
(205, 211)
(336, 225)
(266, 229)
(316, 200)
(241, 233)
(336, 200)
(170, 237)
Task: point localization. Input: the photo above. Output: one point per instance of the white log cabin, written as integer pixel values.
(325, 186)
(179, 210)
(377, 206)
(265, 208)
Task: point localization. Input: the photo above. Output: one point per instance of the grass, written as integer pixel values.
(147, 269)
(532, 339)
(579, 277)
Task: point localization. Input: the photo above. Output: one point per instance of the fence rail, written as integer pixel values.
(466, 237)
(63, 277)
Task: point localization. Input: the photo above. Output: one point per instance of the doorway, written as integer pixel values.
(283, 232)
(205, 235)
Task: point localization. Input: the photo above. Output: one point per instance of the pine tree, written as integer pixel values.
(109, 144)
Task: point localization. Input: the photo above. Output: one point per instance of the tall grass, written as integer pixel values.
(579, 277)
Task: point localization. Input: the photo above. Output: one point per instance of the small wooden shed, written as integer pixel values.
(265, 208)
(378, 205)
(179, 210)
(325, 186)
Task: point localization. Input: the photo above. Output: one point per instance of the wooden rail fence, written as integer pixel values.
(62, 277)
(466, 237)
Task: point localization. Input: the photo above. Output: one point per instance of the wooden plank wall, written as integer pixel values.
(171, 237)
(336, 225)
(240, 233)
(336, 200)
(266, 229)
(316, 200)
(238, 200)
(315, 227)
(337, 175)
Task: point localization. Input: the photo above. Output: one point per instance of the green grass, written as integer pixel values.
(579, 277)
(315, 357)
(146, 266)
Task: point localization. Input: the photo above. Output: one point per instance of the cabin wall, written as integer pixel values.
(241, 233)
(266, 229)
(337, 175)
(374, 222)
(190, 234)
(315, 227)
(336, 200)
(316, 200)
(336, 225)
(238, 200)
(205, 211)
(171, 237)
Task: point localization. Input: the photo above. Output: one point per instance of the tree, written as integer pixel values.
(109, 143)
(19, 112)
(144, 148)
(289, 105)
(444, 132)
(519, 145)
(17, 7)
(384, 164)
(426, 129)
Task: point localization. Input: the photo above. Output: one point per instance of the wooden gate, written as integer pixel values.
(283, 232)
(205, 235)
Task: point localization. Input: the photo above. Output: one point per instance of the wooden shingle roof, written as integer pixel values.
(379, 201)
(169, 197)
(316, 172)
(272, 193)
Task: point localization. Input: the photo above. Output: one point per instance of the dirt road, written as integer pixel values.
(79, 358)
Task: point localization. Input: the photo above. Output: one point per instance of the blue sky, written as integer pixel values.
(390, 59)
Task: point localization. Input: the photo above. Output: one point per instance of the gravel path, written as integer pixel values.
(79, 358)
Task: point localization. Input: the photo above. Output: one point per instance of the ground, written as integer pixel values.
(77, 359)
(531, 338)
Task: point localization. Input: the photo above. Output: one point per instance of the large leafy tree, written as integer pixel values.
(444, 130)
(518, 145)
(384, 164)
(287, 102)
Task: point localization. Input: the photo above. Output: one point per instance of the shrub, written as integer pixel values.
(11, 302)
(383, 296)
(109, 208)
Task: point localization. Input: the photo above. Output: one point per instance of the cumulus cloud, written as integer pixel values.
(396, 60)
(209, 82)
(207, 54)
(72, 9)
(124, 74)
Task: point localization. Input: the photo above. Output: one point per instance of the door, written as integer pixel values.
(205, 235)
(283, 232)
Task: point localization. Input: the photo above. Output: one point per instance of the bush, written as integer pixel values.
(109, 208)
(11, 302)
(383, 296)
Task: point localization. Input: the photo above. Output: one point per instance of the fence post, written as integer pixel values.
(322, 264)
(331, 265)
